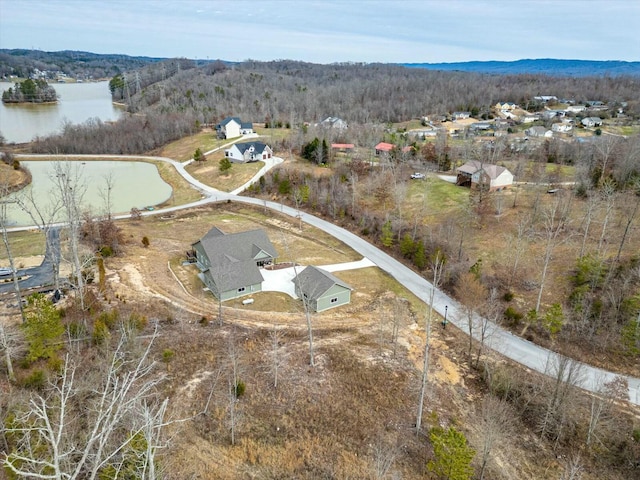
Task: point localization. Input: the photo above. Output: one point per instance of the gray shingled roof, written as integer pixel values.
(228, 119)
(258, 147)
(233, 256)
(315, 282)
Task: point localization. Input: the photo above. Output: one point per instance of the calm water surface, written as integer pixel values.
(77, 103)
(135, 184)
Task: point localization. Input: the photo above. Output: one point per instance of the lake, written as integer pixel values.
(77, 103)
(135, 184)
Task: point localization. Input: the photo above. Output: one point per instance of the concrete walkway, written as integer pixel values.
(282, 280)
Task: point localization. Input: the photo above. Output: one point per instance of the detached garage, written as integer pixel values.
(321, 289)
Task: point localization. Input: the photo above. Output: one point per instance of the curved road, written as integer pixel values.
(511, 346)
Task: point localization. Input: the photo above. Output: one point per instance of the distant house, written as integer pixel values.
(482, 128)
(383, 147)
(230, 264)
(343, 147)
(232, 127)
(334, 122)
(538, 131)
(549, 114)
(321, 289)
(477, 174)
(546, 98)
(506, 106)
(248, 152)
(591, 121)
(561, 127)
(575, 108)
(461, 115)
(530, 117)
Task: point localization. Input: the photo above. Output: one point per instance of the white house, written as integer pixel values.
(334, 122)
(561, 127)
(506, 106)
(248, 152)
(538, 131)
(461, 115)
(232, 127)
(575, 108)
(530, 117)
(484, 175)
(592, 121)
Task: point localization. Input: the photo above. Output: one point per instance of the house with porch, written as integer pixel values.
(230, 263)
(320, 289)
(248, 152)
(476, 174)
(592, 122)
(232, 127)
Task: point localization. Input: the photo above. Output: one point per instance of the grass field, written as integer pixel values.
(183, 149)
(208, 172)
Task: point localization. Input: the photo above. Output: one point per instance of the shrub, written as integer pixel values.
(167, 355)
(513, 316)
(100, 332)
(36, 380)
(146, 242)
(508, 296)
(240, 388)
(225, 165)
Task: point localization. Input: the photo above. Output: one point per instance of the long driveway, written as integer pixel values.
(511, 346)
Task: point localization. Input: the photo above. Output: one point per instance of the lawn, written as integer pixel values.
(183, 149)
(208, 172)
(432, 197)
(24, 244)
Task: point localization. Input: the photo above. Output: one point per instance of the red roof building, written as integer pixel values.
(383, 147)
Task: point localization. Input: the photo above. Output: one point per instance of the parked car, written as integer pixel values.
(6, 271)
(417, 176)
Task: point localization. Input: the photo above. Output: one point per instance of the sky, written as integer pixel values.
(329, 31)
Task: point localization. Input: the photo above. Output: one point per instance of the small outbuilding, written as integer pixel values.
(321, 289)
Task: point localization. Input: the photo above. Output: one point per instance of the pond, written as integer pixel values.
(134, 184)
(77, 103)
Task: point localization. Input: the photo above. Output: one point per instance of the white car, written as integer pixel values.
(417, 176)
(5, 271)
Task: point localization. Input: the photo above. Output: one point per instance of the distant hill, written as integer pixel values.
(23, 62)
(545, 66)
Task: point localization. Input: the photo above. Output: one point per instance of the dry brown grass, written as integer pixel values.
(208, 172)
(183, 149)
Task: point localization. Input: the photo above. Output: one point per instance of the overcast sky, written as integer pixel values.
(327, 31)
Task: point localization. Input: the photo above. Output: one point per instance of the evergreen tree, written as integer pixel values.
(452, 455)
(386, 236)
(407, 246)
(43, 328)
(225, 165)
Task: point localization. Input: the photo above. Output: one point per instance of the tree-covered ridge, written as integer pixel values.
(30, 91)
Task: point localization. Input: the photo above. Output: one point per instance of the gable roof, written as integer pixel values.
(385, 147)
(315, 282)
(258, 147)
(246, 125)
(233, 256)
(229, 119)
(473, 166)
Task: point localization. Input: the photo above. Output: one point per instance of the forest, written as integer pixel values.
(553, 259)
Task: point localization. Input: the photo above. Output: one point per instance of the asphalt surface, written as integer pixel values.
(41, 275)
(511, 346)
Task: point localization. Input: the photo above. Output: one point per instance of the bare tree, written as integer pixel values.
(554, 223)
(602, 402)
(631, 212)
(472, 295)
(7, 247)
(497, 423)
(86, 425)
(71, 189)
(564, 375)
(437, 266)
(10, 344)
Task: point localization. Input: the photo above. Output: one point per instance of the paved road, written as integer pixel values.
(502, 341)
(41, 275)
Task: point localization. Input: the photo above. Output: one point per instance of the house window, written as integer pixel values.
(334, 300)
(241, 289)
